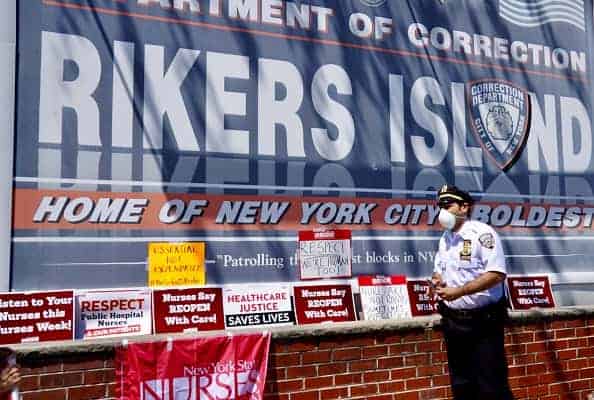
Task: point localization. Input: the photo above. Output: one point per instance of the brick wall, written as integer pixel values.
(550, 353)
(73, 377)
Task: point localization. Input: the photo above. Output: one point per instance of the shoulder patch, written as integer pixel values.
(487, 240)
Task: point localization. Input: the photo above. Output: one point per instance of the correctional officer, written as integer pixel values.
(468, 281)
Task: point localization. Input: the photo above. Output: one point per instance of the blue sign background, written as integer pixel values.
(56, 258)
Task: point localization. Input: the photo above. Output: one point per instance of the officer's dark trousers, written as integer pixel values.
(476, 356)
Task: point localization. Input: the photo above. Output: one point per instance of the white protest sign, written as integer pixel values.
(256, 305)
(325, 254)
(384, 297)
(112, 313)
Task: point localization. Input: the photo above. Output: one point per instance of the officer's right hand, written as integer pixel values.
(434, 283)
(436, 280)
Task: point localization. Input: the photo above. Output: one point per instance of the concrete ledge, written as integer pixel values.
(550, 314)
(33, 351)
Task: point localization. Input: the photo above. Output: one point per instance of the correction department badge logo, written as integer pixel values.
(499, 113)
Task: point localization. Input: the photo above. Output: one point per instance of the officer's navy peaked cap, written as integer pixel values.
(450, 194)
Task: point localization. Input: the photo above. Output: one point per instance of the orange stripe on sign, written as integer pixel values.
(90, 210)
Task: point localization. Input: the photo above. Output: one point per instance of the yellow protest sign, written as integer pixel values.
(176, 264)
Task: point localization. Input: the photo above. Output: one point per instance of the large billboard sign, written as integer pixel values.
(238, 123)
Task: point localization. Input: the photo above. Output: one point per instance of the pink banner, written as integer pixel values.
(219, 367)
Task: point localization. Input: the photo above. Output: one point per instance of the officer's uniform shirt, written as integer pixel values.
(464, 255)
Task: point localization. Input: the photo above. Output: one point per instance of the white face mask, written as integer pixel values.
(447, 219)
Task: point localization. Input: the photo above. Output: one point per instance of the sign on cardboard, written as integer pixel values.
(176, 264)
(384, 297)
(325, 254)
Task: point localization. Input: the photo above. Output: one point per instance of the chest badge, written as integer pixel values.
(466, 251)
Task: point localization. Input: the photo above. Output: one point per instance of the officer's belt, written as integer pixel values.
(473, 313)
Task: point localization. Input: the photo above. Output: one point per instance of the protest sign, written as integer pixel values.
(111, 313)
(256, 305)
(220, 367)
(36, 316)
(384, 297)
(186, 310)
(527, 292)
(323, 303)
(176, 264)
(325, 254)
(421, 302)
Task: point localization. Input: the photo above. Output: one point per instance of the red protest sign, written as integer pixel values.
(323, 303)
(185, 310)
(36, 317)
(527, 292)
(421, 303)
